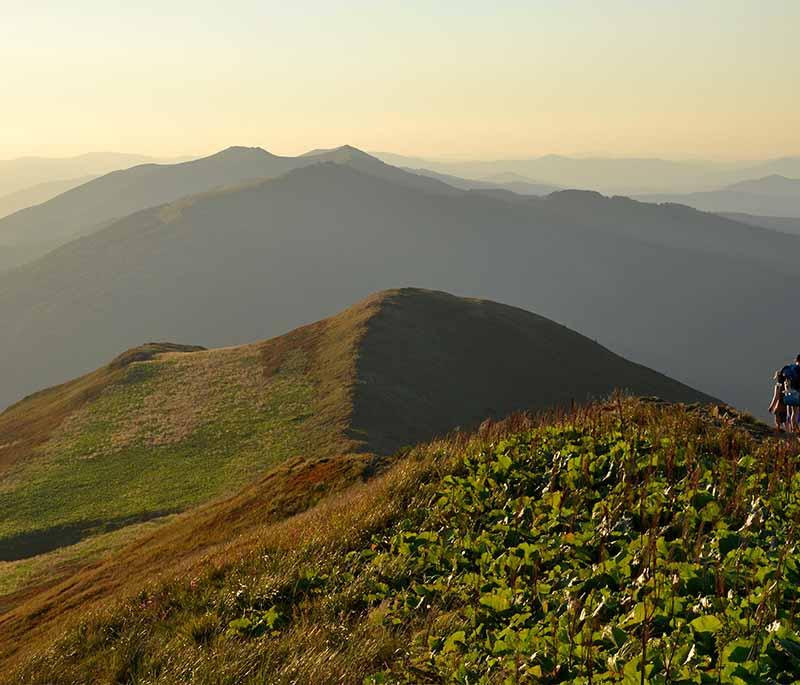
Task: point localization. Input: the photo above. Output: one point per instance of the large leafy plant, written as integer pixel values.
(570, 554)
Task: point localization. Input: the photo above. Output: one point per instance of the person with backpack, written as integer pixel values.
(778, 406)
(791, 396)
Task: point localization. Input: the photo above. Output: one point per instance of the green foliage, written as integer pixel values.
(564, 555)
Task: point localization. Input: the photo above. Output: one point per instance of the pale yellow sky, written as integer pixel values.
(672, 78)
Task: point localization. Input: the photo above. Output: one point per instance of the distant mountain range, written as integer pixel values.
(622, 176)
(82, 210)
(775, 223)
(34, 195)
(25, 172)
(774, 195)
(774, 186)
(677, 289)
(41, 217)
(508, 182)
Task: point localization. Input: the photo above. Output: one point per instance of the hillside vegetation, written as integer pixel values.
(627, 542)
(165, 427)
(176, 451)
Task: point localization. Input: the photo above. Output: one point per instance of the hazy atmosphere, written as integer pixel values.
(715, 79)
(382, 343)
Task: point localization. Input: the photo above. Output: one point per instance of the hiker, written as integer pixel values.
(791, 399)
(791, 376)
(778, 406)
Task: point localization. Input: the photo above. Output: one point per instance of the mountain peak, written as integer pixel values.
(574, 196)
(773, 184)
(241, 151)
(343, 152)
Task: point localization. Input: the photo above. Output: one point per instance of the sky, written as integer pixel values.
(715, 79)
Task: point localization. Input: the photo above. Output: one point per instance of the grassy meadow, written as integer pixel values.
(173, 432)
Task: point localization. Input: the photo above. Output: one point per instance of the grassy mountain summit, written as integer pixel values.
(165, 428)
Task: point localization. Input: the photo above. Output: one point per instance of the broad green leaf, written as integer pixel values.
(706, 624)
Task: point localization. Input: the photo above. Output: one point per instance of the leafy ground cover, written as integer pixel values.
(626, 543)
(564, 554)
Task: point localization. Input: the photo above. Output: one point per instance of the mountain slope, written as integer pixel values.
(164, 428)
(670, 225)
(36, 194)
(400, 367)
(354, 158)
(475, 555)
(672, 288)
(24, 172)
(430, 360)
(88, 207)
(123, 192)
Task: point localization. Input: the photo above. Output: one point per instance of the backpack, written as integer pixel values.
(792, 374)
(792, 398)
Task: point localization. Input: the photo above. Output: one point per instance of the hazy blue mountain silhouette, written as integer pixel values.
(775, 184)
(784, 166)
(690, 294)
(36, 194)
(508, 182)
(80, 211)
(776, 223)
(25, 172)
(625, 176)
(768, 201)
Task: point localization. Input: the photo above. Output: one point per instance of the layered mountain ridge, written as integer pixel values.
(90, 206)
(643, 279)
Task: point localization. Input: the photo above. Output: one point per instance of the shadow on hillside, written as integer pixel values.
(27, 545)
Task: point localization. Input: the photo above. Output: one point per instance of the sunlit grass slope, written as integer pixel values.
(627, 542)
(169, 455)
(171, 433)
(164, 428)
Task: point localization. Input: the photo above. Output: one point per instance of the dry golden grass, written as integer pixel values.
(179, 393)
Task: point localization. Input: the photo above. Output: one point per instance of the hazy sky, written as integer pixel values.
(482, 78)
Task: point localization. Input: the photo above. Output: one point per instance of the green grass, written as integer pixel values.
(174, 433)
(627, 543)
